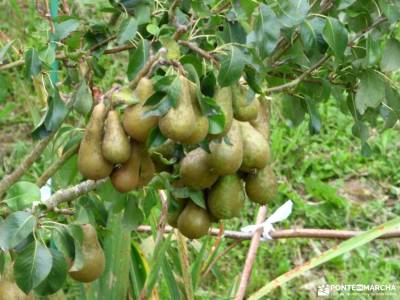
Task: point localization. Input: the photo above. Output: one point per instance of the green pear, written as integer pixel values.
(196, 171)
(174, 210)
(135, 123)
(201, 121)
(91, 162)
(227, 158)
(256, 152)
(226, 198)
(261, 123)
(9, 290)
(261, 187)
(242, 109)
(126, 177)
(177, 123)
(223, 97)
(194, 221)
(116, 147)
(93, 256)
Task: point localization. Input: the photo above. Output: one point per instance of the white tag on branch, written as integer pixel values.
(279, 215)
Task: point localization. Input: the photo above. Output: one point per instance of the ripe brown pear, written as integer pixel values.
(256, 152)
(135, 123)
(262, 187)
(174, 210)
(223, 97)
(201, 121)
(261, 123)
(125, 178)
(227, 158)
(194, 221)
(147, 168)
(226, 198)
(195, 170)
(177, 123)
(91, 162)
(242, 109)
(9, 289)
(93, 256)
(116, 147)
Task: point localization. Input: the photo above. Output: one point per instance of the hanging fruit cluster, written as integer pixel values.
(235, 163)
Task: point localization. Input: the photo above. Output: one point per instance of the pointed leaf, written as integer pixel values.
(370, 92)
(391, 56)
(138, 58)
(336, 35)
(17, 227)
(231, 67)
(128, 31)
(33, 64)
(32, 266)
(64, 29)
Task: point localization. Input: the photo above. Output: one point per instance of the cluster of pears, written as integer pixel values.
(236, 165)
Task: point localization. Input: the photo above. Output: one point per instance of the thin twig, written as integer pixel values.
(10, 179)
(251, 255)
(66, 7)
(193, 46)
(306, 233)
(56, 165)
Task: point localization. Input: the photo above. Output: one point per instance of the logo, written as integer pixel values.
(323, 290)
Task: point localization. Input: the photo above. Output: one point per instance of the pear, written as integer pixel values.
(177, 123)
(174, 210)
(135, 123)
(227, 158)
(93, 256)
(223, 97)
(194, 221)
(256, 152)
(9, 290)
(116, 147)
(195, 170)
(226, 198)
(147, 168)
(201, 121)
(262, 187)
(261, 123)
(91, 162)
(125, 178)
(242, 109)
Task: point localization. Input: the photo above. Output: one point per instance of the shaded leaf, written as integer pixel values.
(32, 266)
(133, 216)
(64, 29)
(22, 194)
(370, 92)
(17, 227)
(336, 35)
(292, 12)
(33, 64)
(232, 66)
(127, 31)
(391, 56)
(138, 58)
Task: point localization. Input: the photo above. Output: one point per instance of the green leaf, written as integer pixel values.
(231, 67)
(48, 56)
(150, 200)
(138, 270)
(328, 255)
(216, 123)
(22, 194)
(391, 9)
(156, 138)
(153, 29)
(292, 12)
(336, 35)
(370, 91)
(197, 197)
(127, 31)
(82, 99)
(138, 58)
(133, 216)
(343, 4)
(293, 109)
(170, 280)
(391, 56)
(57, 276)
(63, 241)
(32, 266)
(4, 50)
(174, 91)
(315, 118)
(266, 31)
(33, 65)
(55, 115)
(64, 29)
(17, 227)
(173, 50)
(310, 31)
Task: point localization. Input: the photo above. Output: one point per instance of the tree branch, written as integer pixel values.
(251, 255)
(68, 194)
(306, 233)
(10, 179)
(193, 46)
